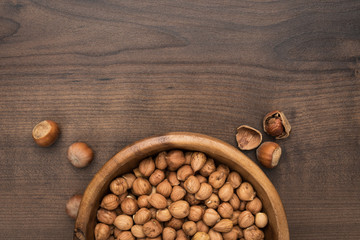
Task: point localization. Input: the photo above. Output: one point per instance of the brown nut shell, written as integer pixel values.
(248, 138)
(276, 124)
(45, 133)
(269, 154)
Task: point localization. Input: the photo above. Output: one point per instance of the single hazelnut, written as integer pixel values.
(125, 235)
(137, 173)
(137, 231)
(201, 236)
(72, 205)
(177, 193)
(189, 228)
(190, 198)
(172, 178)
(102, 231)
(80, 154)
(174, 159)
(142, 216)
(118, 186)
(253, 233)
(276, 124)
(234, 179)
(235, 217)
(157, 201)
(211, 217)
(232, 235)
(225, 210)
(110, 202)
(201, 178)
(261, 220)
(129, 178)
(235, 202)
(106, 216)
(123, 222)
(169, 233)
(129, 206)
(156, 177)
(179, 209)
(192, 184)
(224, 225)
(163, 215)
(141, 186)
(164, 188)
(181, 235)
(208, 168)
(152, 228)
(175, 223)
(202, 227)
(248, 138)
(214, 235)
(223, 168)
(147, 166)
(45, 133)
(197, 161)
(254, 206)
(188, 158)
(196, 213)
(143, 201)
(204, 191)
(184, 172)
(269, 154)
(239, 231)
(246, 192)
(246, 219)
(213, 201)
(226, 192)
(217, 179)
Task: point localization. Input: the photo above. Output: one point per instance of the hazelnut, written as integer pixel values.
(169, 233)
(129, 206)
(197, 161)
(123, 222)
(172, 178)
(225, 210)
(188, 158)
(246, 219)
(72, 205)
(181, 235)
(261, 220)
(177, 193)
(239, 231)
(217, 179)
(235, 217)
(110, 202)
(211, 217)
(152, 228)
(235, 202)
(125, 235)
(208, 168)
(201, 226)
(179, 209)
(254, 206)
(253, 233)
(174, 159)
(137, 231)
(175, 223)
(204, 191)
(223, 168)
(102, 231)
(232, 235)
(45, 133)
(157, 201)
(116, 232)
(213, 201)
(190, 198)
(214, 235)
(184, 172)
(129, 178)
(137, 173)
(160, 161)
(224, 225)
(147, 166)
(143, 201)
(276, 124)
(164, 188)
(156, 177)
(226, 192)
(269, 154)
(242, 205)
(141, 186)
(246, 192)
(192, 184)
(189, 228)
(142, 216)
(201, 236)
(118, 186)
(201, 178)
(106, 216)
(196, 213)
(248, 138)
(163, 215)
(234, 179)
(80, 154)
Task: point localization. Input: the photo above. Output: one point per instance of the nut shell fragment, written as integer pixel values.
(248, 138)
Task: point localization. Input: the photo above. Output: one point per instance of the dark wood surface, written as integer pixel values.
(113, 72)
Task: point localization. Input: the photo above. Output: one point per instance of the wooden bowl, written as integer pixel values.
(129, 157)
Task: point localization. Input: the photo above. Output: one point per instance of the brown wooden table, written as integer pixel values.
(113, 72)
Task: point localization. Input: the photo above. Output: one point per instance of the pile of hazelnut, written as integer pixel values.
(180, 195)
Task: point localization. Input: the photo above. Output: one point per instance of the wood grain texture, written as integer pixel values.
(112, 72)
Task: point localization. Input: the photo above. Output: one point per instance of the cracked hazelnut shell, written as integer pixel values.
(276, 124)
(248, 138)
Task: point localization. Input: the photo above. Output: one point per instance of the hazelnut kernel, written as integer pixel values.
(261, 220)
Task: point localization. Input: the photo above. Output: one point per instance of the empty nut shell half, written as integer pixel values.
(248, 138)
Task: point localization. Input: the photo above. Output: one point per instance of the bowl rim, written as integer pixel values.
(191, 141)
